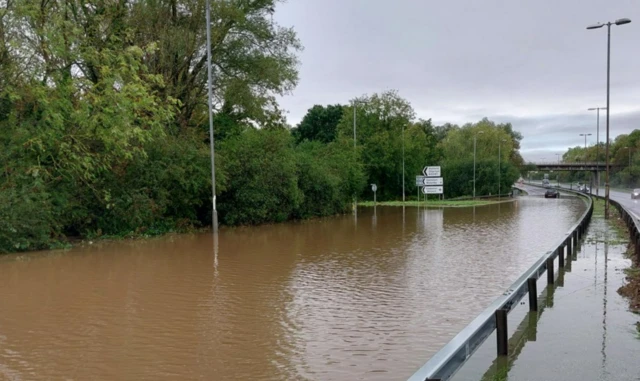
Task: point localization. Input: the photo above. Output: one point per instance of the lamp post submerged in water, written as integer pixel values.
(214, 212)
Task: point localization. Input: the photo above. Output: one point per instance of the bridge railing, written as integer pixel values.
(446, 362)
(593, 164)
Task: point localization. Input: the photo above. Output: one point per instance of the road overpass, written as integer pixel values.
(592, 167)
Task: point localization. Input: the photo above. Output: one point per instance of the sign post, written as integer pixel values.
(431, 182)
(431, 171)
(374, 188)
(432, 190)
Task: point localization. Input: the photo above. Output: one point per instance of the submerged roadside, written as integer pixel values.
(588, 331)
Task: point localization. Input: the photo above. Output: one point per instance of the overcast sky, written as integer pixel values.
(528, 62)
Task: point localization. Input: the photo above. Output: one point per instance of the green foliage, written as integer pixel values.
(102, 119)
(253, 57)
(263, 181)
(105, 131)
(382, 123)
(458, 177)
(319, 124)
(26, 219)
(328, 176)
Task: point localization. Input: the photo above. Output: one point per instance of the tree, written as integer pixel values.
(494, 153)
(381, 119)
(319, 124)
(262, 178)
(253, 57)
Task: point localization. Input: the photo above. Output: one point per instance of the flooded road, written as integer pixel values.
(341, 298)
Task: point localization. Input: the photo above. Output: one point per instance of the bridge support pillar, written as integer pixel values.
(561, 256)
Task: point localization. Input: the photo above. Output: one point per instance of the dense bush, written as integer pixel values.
(328, 176)
(263, 181)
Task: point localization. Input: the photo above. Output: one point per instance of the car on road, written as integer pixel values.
(551, 193)
(636, 193)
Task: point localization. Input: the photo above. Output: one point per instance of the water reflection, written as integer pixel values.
(524, 333)
(334, 299)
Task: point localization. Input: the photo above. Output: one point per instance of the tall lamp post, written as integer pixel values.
(629, 165)
(585, 154)
(597, 144)
(558, 155)
(214, 213)
(475, 141)
(402, 163)
(585, 147)
(499, 168)
(606, 181)
(355, 197)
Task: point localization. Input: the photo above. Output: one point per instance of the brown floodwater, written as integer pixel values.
(370, 296)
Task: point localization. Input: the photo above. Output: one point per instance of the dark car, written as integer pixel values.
(635, 194)
(551, 193)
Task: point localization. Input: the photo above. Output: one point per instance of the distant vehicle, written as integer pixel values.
(545, 182)
(584, 189)
(551, 193)
(636, 193)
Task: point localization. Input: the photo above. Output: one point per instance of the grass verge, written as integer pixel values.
(435, 203)
(631, 287)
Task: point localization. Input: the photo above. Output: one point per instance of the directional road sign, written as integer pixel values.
(420, 181)
(431, 171)
(432, 190)
(432, 181)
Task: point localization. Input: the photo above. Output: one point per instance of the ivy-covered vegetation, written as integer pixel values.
(104, 125)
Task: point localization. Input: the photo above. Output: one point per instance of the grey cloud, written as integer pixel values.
(531, 63)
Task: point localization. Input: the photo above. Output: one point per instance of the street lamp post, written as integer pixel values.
(597, 144)
(475, 140)
(585, 147)
(499, 168)
(355, 197)
(585, 154)
(606, 181)
(629, 151)
(402, 163)
(214, 213)
(354, 125)
(629, 165)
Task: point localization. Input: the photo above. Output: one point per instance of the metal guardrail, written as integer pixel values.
(633, 224)
(446, 362)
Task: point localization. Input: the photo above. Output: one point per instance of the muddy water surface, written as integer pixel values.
(342, 298)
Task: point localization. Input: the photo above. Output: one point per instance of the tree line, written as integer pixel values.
(104, 125)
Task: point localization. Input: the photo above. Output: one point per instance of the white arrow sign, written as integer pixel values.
(431, 171)
(432, 181)
(432, 190)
